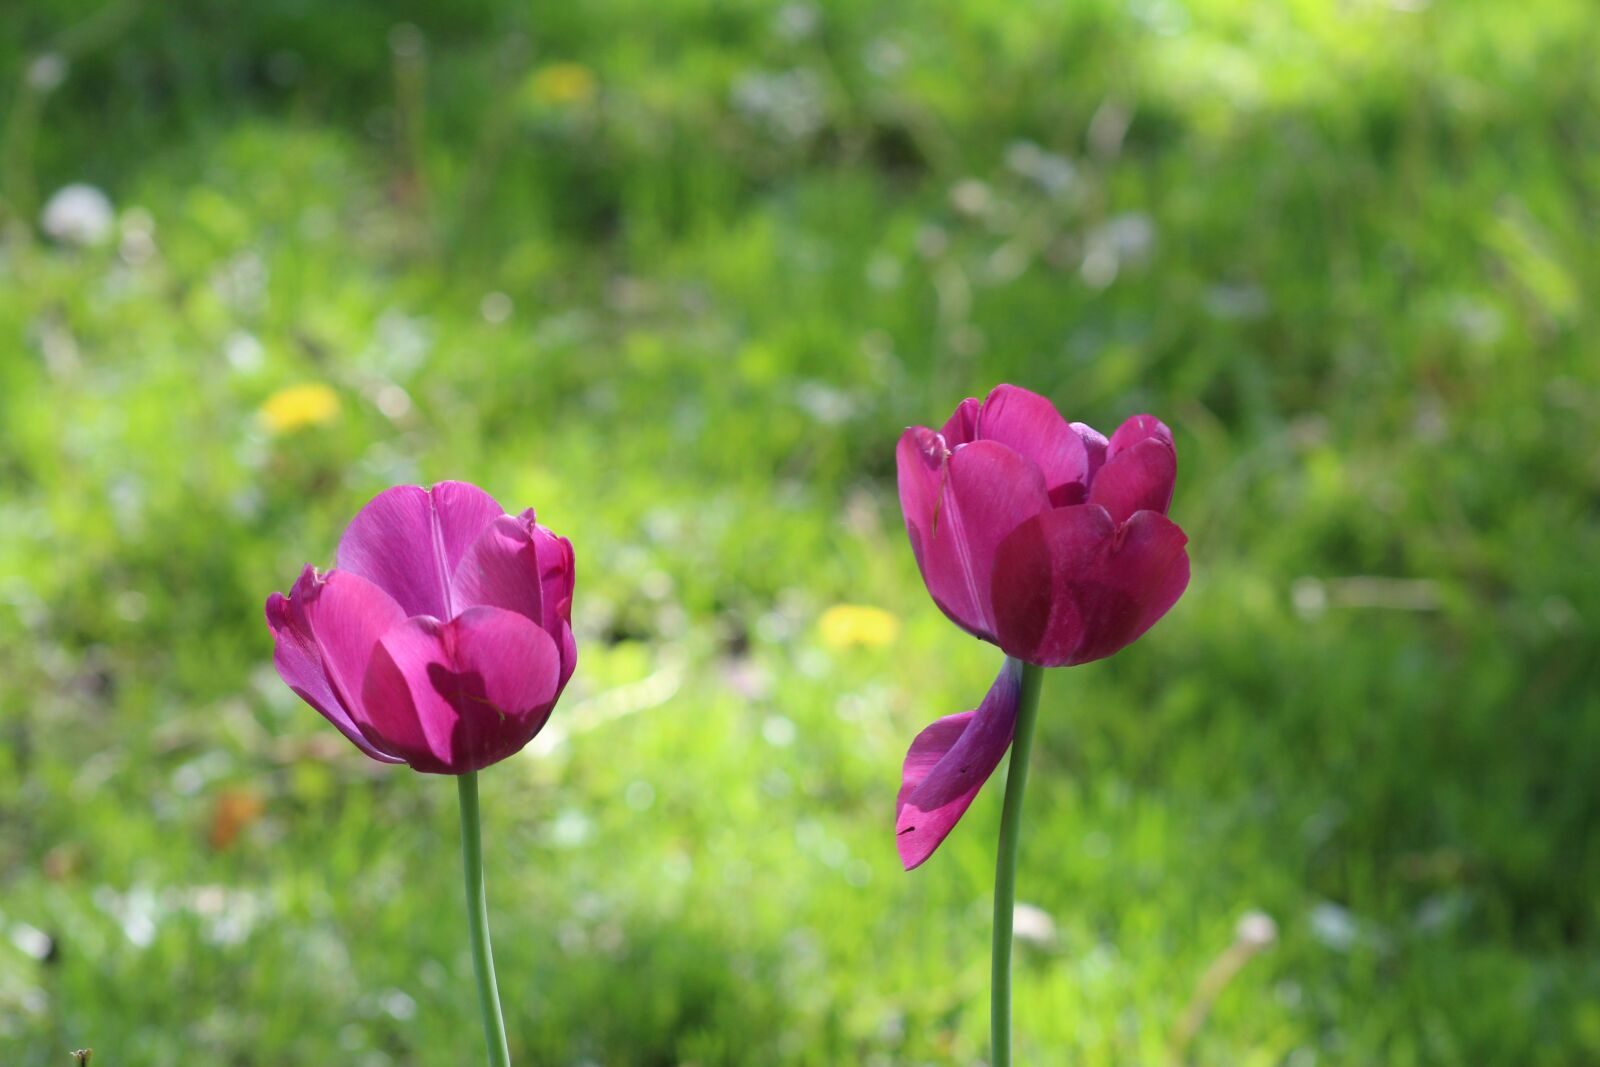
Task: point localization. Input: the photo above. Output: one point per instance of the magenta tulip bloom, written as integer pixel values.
(442, 638)
(1041, 537)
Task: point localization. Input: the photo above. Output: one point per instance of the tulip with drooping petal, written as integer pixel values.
(442, 638)
(1041, 536)
(1044, 538)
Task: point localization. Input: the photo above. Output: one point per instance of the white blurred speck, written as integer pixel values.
(136, 911)
(885, 58)
(931, 241)
(639, 795)
(243, 351)
(1033, 925)
(138, 243)
(1256, 929)
(241, 282)
(399, 1005)
(971, 196)
(78, 214)
(1099, 267)
(824, 403)
(193, 775)
(1310, 598)
(1166, 18)
(858, 873)
(46, 72)
(788, 104)
(1053, 173)
(883, 271)
(570, 829)
(1559, 612)
(1108, 128)
(1334, 926)
(778, 731)
(1006, 263)
(495, 308)
(130, 605)
(1236, 303)
(393, 401)
(406, 41)
(31, 941)
(796, 21)
(1133, 235)
(401, 341)
(677, 866)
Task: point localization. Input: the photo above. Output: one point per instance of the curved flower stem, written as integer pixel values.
(494, 1027)
(1005, 871)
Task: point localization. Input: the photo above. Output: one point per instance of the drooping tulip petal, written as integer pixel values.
(300, 661)
(409, 541)
(457, 696)
(1138, 478)
(1031, 426)
(948, 763)
(1071, 586)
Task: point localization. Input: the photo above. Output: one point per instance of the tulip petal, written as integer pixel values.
(409, 541)
(962, 425)
(501, 570)
(319, 631)
(957, 512)
(1094, 444)
(948, 763)
(558, 576)
(989, 490)
(1032, 426)
(1071, 585)
(301, 663)
(1135, 429)
(1138, 478)
(919, 462)
(457, 696)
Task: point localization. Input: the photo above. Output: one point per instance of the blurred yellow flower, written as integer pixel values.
(563, 83)
(298, 406)
(849, 625)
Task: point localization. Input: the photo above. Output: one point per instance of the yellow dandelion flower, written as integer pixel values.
(563, 84)
(848, 625)
(299, 406)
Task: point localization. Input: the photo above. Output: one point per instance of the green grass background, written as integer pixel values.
(1347, 251)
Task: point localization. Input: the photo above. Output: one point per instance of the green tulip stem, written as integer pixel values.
(494, 1026)
(1005, 871)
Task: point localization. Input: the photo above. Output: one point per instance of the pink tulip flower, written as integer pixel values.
(1042, 537)
(442, 637)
